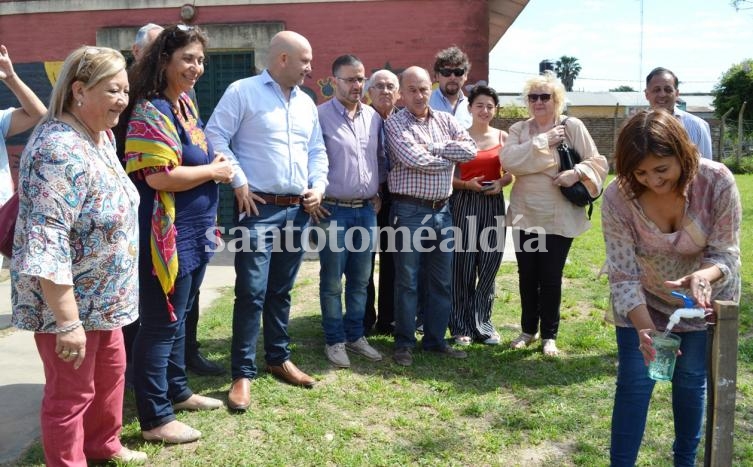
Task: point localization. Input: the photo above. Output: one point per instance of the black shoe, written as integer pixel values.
(448, 351)
(199, 364)
(129, 376)
(382, 330)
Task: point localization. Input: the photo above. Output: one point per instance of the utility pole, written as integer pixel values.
(739, 154)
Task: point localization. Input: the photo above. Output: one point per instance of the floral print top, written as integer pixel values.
(640, 257)
(77, 225)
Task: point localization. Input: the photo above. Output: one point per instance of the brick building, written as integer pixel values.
(390, 34)
(383, 33)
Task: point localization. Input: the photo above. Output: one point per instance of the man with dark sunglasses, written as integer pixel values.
(451, 67)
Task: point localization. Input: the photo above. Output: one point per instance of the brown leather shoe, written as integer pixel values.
(239, 396)
(290, 373)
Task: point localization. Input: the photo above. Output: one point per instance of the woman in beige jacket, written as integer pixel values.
(544, 222)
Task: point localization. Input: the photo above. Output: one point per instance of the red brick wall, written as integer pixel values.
(398, 32)
(391, 33)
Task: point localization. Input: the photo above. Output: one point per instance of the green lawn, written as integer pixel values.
(498, 407)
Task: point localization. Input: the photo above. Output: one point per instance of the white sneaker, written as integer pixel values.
(336, 354)
(362, 347)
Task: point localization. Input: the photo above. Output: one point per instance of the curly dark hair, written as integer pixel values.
(449, 57)
(147, 76)
(654, 132)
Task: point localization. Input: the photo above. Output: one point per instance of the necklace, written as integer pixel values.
(97, 148)
(87, 131)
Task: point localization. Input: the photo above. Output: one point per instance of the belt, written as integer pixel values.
(348, 203)
(431, 203)
(280, 200)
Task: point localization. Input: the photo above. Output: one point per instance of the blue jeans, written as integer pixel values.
(634, 388)
(266, 265)
(159, 369)
(351, 230)
(407, 218)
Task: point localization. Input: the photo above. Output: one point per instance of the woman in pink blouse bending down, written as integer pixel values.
(671, 220)
(544, 223)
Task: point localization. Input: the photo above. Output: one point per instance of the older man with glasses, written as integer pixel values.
(451, 67)
(383, 89)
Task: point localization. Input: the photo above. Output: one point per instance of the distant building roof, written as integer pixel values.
(591, 99)
(634, 99)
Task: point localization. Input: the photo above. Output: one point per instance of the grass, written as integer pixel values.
(498, 407)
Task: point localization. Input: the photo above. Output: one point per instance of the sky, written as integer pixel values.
(697, 39)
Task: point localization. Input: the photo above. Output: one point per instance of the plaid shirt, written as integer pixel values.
(423, 154)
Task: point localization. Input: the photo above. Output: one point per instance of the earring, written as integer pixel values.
(79, 103)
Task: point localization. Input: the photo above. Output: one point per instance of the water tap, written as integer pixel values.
(690, 310)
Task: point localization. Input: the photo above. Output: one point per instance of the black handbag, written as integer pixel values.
(577, 193)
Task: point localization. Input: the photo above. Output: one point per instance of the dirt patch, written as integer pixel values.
(546, 453)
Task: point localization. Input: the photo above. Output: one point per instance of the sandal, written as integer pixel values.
(493, 339)
(523, 340)
(550, 348)
(463, 340)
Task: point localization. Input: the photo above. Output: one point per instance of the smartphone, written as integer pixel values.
(487, 186)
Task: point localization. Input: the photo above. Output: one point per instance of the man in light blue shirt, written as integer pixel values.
(270, 129)
(352, 135)
(451, 67)
(662, 92)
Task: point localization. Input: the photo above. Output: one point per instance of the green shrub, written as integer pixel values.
(744, 167)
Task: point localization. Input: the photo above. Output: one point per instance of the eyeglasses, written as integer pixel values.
(543, 97)
(385, 86)
(84, 63)
(352, 81)
(446, 72)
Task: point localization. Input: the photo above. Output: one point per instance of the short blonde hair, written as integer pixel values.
(87, 64)
(551, 81)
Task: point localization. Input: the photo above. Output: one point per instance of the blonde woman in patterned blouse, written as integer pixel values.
(74, 270)
(671, 220)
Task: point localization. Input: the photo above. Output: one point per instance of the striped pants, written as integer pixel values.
(478, 254)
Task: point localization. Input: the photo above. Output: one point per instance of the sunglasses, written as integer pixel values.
(543, 97)
(183, 28)
(85, 62)
(446, 72)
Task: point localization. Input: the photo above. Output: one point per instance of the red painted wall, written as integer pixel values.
(401, 32)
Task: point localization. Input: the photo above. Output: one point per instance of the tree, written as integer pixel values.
(734, 87)
(567, 69)
(622, 88)
(741, 4)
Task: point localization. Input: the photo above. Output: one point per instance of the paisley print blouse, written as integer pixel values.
(77, 225)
